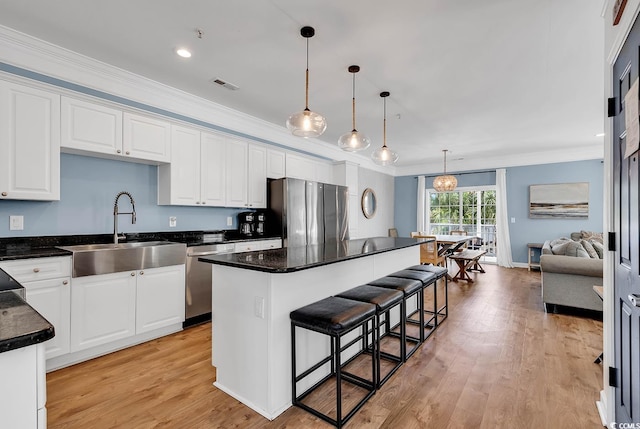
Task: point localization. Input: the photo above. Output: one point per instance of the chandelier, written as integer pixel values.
(446, 182)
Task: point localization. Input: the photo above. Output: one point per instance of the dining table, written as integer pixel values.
(447, 241)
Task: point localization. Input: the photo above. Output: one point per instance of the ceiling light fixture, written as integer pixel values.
(445, 183)
(354, 140)
(184, 53)
(307, 123)
(384, 155)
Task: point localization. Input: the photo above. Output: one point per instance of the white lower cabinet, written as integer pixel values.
(103, 309)
(109, 307)
(48, 291)
(251, 246)
(159, 298)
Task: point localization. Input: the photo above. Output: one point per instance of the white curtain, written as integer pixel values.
(504, 258)
(421, 222)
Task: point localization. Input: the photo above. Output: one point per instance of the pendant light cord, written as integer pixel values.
(445, 162)
(353, 103)
(306, 87)
(384, 122)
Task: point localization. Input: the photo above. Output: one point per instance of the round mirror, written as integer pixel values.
(369, 203)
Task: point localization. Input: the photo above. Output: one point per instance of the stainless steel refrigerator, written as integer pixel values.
(306, 212)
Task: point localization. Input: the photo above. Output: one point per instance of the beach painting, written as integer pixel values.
(559, 201)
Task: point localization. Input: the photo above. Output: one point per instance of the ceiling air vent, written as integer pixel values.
(227, 85)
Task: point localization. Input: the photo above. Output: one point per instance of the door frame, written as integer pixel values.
(615, 37)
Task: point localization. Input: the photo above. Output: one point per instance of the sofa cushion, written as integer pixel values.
(570, 248)
(590, 235)
(598, 247)
(569, 265)
(589, 248)
(559, 241)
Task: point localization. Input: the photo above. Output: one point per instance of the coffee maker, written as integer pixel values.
(247, 223)
(260, 222)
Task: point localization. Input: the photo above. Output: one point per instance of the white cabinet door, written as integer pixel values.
(257, 177)
(29, 143)
(212, 170)
(19, 392)
(146, 138)
(160, 298)
(90, 127)
(52, 299)
(276, 164)
(324, 172)
(300, 167)
(103, 309)
(185, 166)
(236, 174)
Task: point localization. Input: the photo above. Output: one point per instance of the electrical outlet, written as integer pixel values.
(258, 306)
(513, 220)
(229, 221)
(173, 221)
(16, 223)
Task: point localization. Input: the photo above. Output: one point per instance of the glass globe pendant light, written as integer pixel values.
(307, 123)
(354, 140)
(446, 182)
(384, 155)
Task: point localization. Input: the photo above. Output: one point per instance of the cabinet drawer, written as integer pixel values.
(246, 246)
(271, 244)
(27, 270)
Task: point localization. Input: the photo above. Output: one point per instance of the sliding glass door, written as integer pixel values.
(466, 209)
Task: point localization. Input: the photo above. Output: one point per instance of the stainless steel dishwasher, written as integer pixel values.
(198, 284)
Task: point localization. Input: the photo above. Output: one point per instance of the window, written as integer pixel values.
(467, 209)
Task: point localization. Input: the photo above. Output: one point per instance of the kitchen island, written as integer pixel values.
(253, 294)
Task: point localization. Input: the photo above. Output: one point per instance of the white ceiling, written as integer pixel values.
(505, 81)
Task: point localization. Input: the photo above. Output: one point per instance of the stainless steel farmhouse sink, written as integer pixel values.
(93, 259)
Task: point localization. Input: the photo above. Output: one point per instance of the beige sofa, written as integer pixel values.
(568, 279)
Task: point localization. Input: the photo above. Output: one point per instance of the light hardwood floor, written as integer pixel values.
(498, 361)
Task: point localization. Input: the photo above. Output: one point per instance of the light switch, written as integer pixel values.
(258, 307)
(229, 221)
(16, 223)
(513, 220)
(173, 221)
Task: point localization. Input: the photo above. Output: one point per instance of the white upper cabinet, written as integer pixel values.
(196, 174)
(97, 130)
(236, 176)
(257, 177)
(90, 127)
(302, 167)
(29, 143)
(146, 138)
(213, 150)
(276, 164)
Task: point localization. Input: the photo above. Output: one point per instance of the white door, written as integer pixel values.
(102, 309)
(236, 173)
(90, 127)
(257, 177)
(146, 138)
(52, 299)
(29, 143)
(212, 170)
(185, 166)
(160, 298)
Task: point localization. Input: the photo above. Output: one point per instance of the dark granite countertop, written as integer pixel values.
(20, 324)
(39, 247)
(291, 259)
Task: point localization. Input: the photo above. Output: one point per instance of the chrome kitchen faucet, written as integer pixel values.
(116, 237)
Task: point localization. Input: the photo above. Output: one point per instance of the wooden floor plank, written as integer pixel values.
(498, 361)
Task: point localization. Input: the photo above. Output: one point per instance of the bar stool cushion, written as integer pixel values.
(429, 268)
(333, 315)
(407, 286)
(383, 298)
(424, 277)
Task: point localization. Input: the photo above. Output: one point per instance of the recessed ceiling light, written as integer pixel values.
(600, 135)
(183, 53)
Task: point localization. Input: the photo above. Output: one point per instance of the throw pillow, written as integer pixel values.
(558, 241)
(599, 247)
(575, 249)
(589, 248)
(590, 235)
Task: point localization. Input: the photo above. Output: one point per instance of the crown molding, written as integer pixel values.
(36, 55)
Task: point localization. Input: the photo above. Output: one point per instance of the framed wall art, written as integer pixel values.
(559, 201)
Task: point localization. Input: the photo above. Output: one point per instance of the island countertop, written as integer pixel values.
(291, 259)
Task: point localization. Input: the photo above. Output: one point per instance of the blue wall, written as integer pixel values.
(524, 230)
(88, 189)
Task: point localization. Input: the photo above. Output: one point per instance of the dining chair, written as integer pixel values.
(429, 251)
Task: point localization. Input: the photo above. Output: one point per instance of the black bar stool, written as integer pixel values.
(409, 289)
(334, 317)
(440, 272)
(427, 279)
(384, 299)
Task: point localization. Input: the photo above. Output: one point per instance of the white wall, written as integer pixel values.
(383, 186)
